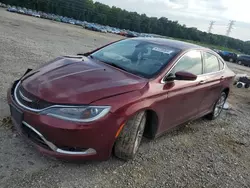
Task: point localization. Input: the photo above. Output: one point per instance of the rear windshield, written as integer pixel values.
(139, 57)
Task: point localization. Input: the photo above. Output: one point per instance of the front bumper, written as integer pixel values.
(65, 139)
(53, 147)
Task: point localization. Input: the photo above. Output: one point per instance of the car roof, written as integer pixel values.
(169, 42)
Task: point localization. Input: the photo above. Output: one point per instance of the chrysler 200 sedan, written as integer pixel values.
(90, 105)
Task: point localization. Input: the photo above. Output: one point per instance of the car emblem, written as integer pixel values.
(24, 98)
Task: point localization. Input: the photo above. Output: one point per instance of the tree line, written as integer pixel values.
(103, 14)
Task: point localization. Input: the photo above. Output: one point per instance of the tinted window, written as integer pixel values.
(211, 63)
(143, 58)
(245, 57)
(190, 62)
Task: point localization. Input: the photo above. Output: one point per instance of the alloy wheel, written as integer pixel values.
(219, 105)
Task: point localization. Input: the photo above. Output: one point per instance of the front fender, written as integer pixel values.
(127, 104)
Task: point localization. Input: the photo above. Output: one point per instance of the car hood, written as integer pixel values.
(79, 80)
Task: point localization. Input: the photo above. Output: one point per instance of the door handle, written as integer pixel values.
(202, 81)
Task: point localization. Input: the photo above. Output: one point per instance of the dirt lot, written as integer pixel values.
(199, 154)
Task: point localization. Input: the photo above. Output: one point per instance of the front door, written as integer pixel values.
(184, 97)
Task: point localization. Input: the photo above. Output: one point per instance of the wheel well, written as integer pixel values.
(226, 90)
(151, 124)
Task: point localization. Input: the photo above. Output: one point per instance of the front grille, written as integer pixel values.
(73, 149)
(32, 102)
(34, 137)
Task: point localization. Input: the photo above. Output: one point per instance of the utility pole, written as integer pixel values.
(230, 27)
(211, 26)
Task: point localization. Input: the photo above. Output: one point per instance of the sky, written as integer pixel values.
(195, 13)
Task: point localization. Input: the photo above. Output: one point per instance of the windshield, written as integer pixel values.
(139, 57)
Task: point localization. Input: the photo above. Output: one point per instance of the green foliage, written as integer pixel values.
(208, 45)
(99, 13)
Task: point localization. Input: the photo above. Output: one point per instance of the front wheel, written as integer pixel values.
(218, 107)
(128, 142)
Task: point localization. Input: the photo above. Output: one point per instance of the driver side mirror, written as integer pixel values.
(180, 75)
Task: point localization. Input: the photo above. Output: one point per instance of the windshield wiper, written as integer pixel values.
(109, 63)
(115, 65)
(84, 54)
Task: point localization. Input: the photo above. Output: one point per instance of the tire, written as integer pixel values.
(218, 107)
(127, 143)
(231, 60)
(239, 62)
(239, 85)
(247, 86)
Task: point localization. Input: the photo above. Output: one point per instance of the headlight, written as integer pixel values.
(77, 114)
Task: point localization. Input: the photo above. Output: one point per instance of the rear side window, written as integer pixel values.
(211, 63)
(190, 62)
(246, 57)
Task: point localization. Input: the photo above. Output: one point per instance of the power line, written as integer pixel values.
(230, 27)
(211, 26)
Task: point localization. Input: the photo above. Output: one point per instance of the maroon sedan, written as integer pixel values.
(86, 106)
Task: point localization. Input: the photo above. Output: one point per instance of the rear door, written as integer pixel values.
(213, 70)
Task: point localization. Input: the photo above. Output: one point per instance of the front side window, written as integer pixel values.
(244, 57)
(221, 64)
(143, 58)
(191, 62)
(211, 63)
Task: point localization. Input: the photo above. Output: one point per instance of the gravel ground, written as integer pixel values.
(199, 154)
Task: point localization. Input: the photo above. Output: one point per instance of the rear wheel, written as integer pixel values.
(128, 142)
(231, 60)
(239, 62)
(218, 107)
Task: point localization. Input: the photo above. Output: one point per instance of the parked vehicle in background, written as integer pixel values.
(72, 21)
(44, 15)
(36, 14)
(78, 22)
(84, 24)
(123, 33)
(12, 9)
(243, 60)
(86, 106)
(65, 20)
(56, 18)
(3, 5)
(228, 56)
(131, 34)
(25, 10)
(29, 12)
(20, 10)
